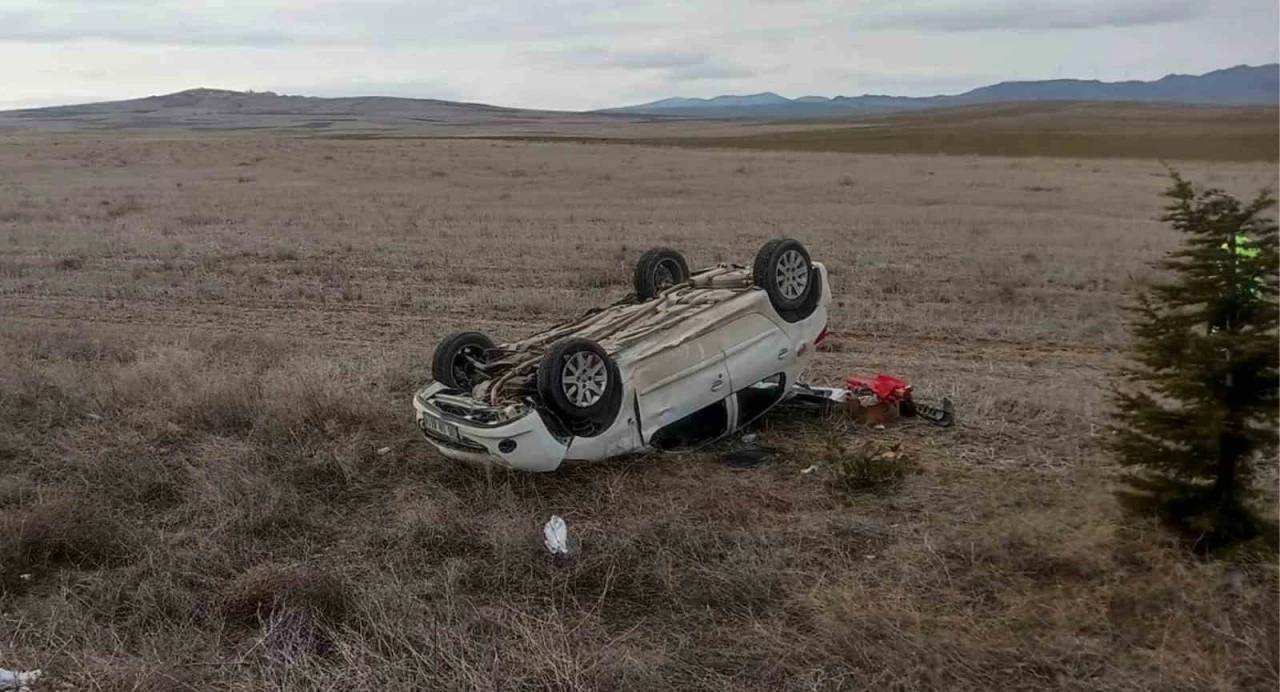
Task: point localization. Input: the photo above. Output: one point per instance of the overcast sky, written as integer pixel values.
(578, 54)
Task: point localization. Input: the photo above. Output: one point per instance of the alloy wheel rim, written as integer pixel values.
(584, 379)
(792, 275)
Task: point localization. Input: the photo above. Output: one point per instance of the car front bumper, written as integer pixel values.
(523, 443)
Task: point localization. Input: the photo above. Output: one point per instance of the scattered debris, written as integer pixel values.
(93, 417)
(556, 535)
(383, 451)
(18, 681)
(750, 438)
(885, 398)
(820, 400)
(942, 417)
(876, 401)
(809, 469)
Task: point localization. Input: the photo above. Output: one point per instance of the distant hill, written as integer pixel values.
(1233, 86)
(224, 109)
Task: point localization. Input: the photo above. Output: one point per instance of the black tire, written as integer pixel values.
(810, 303)
(585, 398)
(454, 360)
(659, 269)
(783, 269)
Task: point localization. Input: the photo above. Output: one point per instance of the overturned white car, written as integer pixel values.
(690, 356)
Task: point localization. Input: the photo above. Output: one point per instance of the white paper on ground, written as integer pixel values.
(556, 536)
(17, 679)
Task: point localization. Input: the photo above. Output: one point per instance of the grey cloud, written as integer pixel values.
(421, 23)
(676, 65)
(651, 59)
(709, 71)
(142, 26)
(401, 22)
(978, 15)
(641, 59)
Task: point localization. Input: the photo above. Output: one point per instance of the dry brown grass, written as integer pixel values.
(210, 478)
(1039, 129)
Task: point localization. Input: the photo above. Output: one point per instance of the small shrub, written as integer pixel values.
(894, 284)
(69, 264)
(284, 254)
(1007, 292)
(229, 405)
(129, 205)
(275, 587)
(63, 531)
(870, 467)
(1041, 188)
(846, 181)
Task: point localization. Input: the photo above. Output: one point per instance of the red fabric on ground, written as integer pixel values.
(887, 388)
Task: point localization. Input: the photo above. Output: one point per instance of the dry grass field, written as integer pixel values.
(210, 478)
(1067, 129)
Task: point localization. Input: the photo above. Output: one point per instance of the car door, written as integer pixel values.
(679, 381)
(755, 349)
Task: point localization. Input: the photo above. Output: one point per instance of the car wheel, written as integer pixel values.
(458, 358)
(659, 269)
(810, 303)
(580, 384)
(782, 268)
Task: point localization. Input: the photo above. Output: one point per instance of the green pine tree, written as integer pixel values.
(1197, 411)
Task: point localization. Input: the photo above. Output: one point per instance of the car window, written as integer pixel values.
(755, 399)
(703, 425)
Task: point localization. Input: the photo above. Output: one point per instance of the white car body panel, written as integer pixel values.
(623, 437)
(536, 448)
(697, 361)
(678, 381)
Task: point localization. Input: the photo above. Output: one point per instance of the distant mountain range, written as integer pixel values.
(224, 109)
(1236, 86)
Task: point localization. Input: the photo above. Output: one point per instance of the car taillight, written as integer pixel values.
(822, 336)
